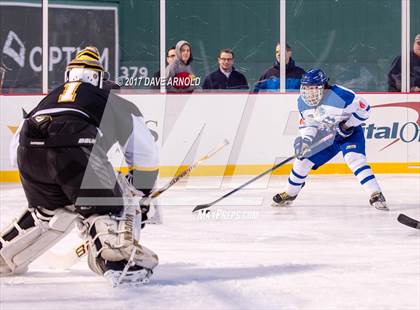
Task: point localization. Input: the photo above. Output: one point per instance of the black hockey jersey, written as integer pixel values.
(81, 114)
(110, 113)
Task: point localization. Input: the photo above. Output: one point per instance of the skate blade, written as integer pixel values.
(131, 279)
(380, 207)
(281, 205)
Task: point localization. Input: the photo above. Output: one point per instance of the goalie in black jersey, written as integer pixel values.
(62, 158)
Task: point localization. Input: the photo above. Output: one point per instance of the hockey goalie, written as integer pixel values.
(61, 152)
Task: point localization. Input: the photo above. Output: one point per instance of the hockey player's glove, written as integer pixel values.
(302, 147)
(144, 208)
(145, 201)
(343, 131)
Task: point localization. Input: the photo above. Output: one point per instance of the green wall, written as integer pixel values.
(355, 41)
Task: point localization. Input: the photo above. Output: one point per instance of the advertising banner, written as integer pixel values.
(261, 129)
(71, 28)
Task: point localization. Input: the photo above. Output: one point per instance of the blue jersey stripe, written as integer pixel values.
(302, 106)
(338, 97)
(358, 117)
(361, 169)
(367, 179)
(309, 126)
(294, 183)
(297, 175)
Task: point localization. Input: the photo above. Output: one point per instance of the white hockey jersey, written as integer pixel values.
(337, 104)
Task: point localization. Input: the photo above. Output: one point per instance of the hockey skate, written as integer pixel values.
(282, 199)
(378, 201)
(133, 277)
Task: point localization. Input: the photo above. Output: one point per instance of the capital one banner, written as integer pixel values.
(71, 28)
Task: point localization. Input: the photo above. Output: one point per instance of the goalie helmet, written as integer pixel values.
(85, 67)
(312, 86)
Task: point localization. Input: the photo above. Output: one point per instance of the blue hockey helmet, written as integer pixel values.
(314, 77)
(312, 86)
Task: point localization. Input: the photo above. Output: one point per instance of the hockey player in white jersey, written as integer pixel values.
(324, 109)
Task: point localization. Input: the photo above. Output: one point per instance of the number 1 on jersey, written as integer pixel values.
(69, 93)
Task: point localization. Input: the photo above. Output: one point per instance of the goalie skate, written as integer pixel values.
(378, 201)
(131, 278)
(282, 199)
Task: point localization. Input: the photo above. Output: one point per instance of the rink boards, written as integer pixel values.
(261, 129)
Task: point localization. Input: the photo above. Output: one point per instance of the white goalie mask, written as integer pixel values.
(86, 67)
(86, 75)
(312, 94)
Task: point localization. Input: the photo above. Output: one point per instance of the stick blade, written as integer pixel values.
(406, 220)
(201, 207)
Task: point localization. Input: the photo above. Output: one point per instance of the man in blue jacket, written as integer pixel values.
(269, 81)
(225, 77)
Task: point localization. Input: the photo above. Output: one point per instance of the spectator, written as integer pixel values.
(270, 79)
(394, 76)
(170, 56)
(179, 75)
(225, 77)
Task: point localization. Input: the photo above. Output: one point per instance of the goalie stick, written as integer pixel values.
(175, 179)
(65, 261)
(208, 205)
(406, 220)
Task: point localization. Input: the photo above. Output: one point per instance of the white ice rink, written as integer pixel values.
(330, 250)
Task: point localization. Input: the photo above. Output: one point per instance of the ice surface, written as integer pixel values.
(330, 250)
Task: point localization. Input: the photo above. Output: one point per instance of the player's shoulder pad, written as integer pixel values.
(58, 90)
(345, 94)
(302, 106)
(86, 91)
(124, 104)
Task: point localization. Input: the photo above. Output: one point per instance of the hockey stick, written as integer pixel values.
(185, 172)
(69, 259)
(54, 260)
(207, 205)
(406, 220)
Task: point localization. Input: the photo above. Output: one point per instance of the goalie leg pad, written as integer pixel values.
(21, 245)
(115, 239)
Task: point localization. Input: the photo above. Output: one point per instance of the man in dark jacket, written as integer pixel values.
(269, 81)
(225, 77)
(394, 76)
(170, 57)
